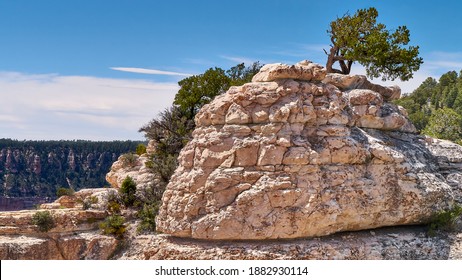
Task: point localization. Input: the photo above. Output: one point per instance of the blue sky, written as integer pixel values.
(99, 69)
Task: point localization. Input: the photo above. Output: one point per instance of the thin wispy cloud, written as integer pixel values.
(149, 71)
(79, 107)
(443, 61)
(239, 59)
(454, 65)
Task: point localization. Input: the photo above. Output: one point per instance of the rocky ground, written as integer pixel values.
(395, 243)
(77, 236)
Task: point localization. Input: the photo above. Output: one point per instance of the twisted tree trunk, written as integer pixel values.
(334, 56)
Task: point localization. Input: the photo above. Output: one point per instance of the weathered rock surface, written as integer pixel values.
(95, 199)
(86, 245)
(449, 160)
(76, 233)
(298, 153)
(66, 221)
(399, 243)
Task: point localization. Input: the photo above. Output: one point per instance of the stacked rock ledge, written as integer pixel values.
(301, 153)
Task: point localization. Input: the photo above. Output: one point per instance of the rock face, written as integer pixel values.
(298, 153)
(33, 170)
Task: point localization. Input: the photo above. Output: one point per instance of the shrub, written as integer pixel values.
(43, 220)
(89, 201)
(114, 225)
(129, 159)
(113, 207)
(147, 215)
(64, 191)
(140, 149)
(127, 192)
(164, 166)
(445, 220)
(113, 203)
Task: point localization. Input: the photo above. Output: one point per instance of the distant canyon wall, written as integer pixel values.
(35, 169)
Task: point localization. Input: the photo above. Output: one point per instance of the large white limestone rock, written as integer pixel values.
(297, 153)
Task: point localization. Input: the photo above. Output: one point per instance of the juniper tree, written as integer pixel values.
(382, 52)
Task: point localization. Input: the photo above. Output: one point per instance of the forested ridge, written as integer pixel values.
(39, 168)
(435, 107)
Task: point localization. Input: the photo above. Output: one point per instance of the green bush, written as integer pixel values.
(114, 225)
(64, 191)
(113, 207)
(113, 203)
(129, 159)
(43, 220)
(147, 215)
(140, 149)
(445, 220)
(127, 192)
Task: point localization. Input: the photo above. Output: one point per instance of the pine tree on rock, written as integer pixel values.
(382, 52)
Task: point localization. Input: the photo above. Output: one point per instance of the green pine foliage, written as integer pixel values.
(140, 149)
(445, 123)
(147, 215)
(382, 52)
(127, 191)
(114, 225)
(435, 107)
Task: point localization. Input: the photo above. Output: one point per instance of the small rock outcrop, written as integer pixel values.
(301, 153)
(75, 234)
(134, 166)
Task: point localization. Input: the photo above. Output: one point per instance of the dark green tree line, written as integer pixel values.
(435, 107)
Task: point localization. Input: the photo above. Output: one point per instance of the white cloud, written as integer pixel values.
(442, 62)
(149, 71)
(75, 107)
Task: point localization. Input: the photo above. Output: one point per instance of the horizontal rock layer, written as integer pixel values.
(86, 245)
(407, 243)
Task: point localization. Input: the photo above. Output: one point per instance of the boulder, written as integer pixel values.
(304, 70)
(298, 153)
